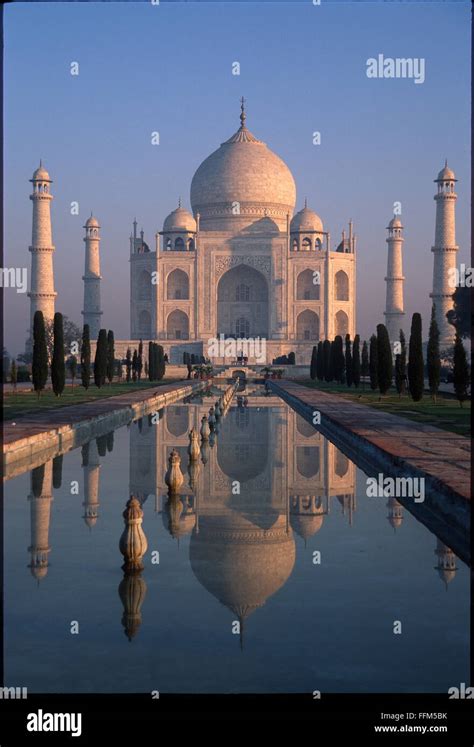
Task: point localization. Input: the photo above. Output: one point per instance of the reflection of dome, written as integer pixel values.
(245, 173)
(306, 220)
(179, 220)
(306, 525)
(306, 514)
(239, 563)
(39, 571)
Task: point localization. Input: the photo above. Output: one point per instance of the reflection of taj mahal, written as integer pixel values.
(242, 544)
(242, 547)
(242, 265)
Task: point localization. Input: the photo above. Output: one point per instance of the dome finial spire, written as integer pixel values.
(179, 201)
(243, 116)
(306, 202)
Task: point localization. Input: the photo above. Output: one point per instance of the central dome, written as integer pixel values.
(242, 182)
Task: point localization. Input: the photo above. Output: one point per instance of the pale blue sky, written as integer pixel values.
(169, 68)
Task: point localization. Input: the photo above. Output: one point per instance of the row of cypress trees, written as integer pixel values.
(103, 363)
(332, 361)
(328, 363)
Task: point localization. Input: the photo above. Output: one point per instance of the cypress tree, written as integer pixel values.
(57, 471)
(373, 367)
(364, 369)
(13, 374)
(398, 374)
(100, 361)
(433, 359)
(415, 360)
(58, 367)
(327, 355)
(72, 366)
(128, 363)
(134, 365)
(320, 361)
(160, 362)
(460, 371)
(348, 362)
(314, 363)
(384, 359)
(291, 358)
(356, 361)
(150, 361)
(140, 360)
(110, 355)
(40, 354)
(338, 359)
(403, 362)
(86, 357)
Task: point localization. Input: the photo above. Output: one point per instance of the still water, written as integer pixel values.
(276, 572)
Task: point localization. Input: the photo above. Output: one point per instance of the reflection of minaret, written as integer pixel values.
(91, 485)
(395, 513)
(446, 562)
(40, 509)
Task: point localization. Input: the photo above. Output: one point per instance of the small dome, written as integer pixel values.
(92, 222)
(41, 175)
(179, 220)
(395, 223)
(306, 220)
(446, 174)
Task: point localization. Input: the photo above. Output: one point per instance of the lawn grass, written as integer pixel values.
(445, 413)
(26, 403)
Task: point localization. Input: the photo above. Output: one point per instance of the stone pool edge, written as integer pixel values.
(442, 499)
(25, 453)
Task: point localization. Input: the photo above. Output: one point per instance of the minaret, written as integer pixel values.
(394, 300)
(444, 250)
(92, 278)
(41, 293)
(40, 505)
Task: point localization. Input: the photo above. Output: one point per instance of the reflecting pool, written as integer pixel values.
(271, 571)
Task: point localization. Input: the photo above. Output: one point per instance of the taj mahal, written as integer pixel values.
(243, 264)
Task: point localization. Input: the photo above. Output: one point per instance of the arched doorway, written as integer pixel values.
(342, 286)
(242, 303)
(307, 326)
(144, 324)
(177, 325)
(342, 323)
(177, 285)
(306, 288)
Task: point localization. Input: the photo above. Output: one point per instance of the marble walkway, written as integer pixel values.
(440, 454)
